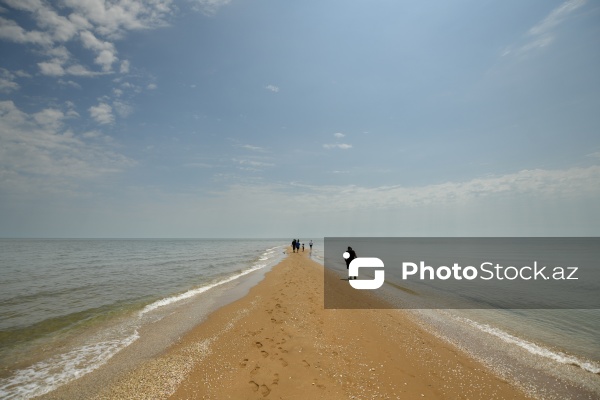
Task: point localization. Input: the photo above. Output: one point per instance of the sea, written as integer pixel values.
(70, 306)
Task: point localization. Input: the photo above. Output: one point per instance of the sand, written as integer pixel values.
(278, 342)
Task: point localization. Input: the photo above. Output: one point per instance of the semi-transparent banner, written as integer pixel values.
(476, 273)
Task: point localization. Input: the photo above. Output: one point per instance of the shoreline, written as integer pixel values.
(278, 342)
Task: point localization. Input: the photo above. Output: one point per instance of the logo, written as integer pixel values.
(366, 262)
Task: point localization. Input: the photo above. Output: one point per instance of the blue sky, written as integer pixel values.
(232, 118)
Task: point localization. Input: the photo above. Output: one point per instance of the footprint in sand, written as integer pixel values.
(258, 344)
(255, 370)
(283, 362)
(264, 390)
(254, 386)
(264, 354)
(306, 364)
(244, 363)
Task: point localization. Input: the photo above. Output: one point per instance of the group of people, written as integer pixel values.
(296, 245)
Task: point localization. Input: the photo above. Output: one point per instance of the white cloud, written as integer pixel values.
(11, 31)
(52, 68)
(50, 118)
(97, 23)
(80, 70)
(7, 86)
(253, 148)
(60, 28)
(208, 7)
(122, 108)
(124, 69)
(113, 19)
(105, 50)
(556, 17)
(272, 88)
(102, 113)
(542, 34)
(524, 203)
(7, 81)
(253, 165)
(540, 184)
(151, 86)
(343, 146)
(34, 146)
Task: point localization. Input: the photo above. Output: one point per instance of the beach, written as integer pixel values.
(279, 342)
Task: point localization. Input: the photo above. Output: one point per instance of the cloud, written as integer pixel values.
(124, 69)
(253, 148)
(49, 118)
(343, 146)
(105, 50)
(7, 81)
(538, 184)
(253, 165)
(11, 31)
(152, 86)
(51, 68)
(556, 17)
(272, 88)
(80, 70)
(102, 113)
(113, 19)
(542, 34)
(208, 7)
(7, 86)
(95, 23)
(36, 146)
(524, 203)
(122, 108)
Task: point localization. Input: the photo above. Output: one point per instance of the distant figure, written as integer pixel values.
(303, 247)
(349, 260)
(294, 245)
(310, 244)
(298, 245)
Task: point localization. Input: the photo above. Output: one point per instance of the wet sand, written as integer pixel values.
(278, 342)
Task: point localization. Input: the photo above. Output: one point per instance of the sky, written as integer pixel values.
(306, 119)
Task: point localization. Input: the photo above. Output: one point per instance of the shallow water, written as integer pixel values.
(68, 306)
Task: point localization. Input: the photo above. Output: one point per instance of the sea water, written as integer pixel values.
(549, 351)
(68, 306)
